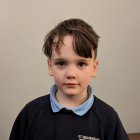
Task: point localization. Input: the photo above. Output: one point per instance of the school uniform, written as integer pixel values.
(45, 119)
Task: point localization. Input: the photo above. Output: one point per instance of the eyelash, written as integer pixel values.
(62, 64)
(82, 64)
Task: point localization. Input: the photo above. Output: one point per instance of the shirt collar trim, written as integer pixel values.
(79, 110)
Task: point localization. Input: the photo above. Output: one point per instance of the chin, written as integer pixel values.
(71, 93)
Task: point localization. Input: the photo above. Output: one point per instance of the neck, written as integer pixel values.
(71, 101)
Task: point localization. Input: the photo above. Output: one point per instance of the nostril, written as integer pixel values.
(70, 77)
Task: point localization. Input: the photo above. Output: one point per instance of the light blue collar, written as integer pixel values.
(80, 110)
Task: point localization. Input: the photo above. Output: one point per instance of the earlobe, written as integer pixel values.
(50, 68)
(95, 68)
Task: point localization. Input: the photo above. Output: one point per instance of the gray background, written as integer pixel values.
(23, 67)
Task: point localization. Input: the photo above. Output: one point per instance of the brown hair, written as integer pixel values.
(84, 38)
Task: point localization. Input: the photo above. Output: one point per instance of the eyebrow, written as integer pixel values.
(63, 59)
(59, 59)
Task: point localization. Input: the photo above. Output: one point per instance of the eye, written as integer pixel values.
(60, 64)
(82, 64)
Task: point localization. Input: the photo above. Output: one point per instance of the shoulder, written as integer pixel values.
(40, 101)
(103, 108)
(105, 113)
(36, 105)
(109, 120)
(28, 117)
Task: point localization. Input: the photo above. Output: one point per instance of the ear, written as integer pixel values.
(95, 68)
(50, 68)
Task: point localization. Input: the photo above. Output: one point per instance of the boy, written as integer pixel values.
(71, 111)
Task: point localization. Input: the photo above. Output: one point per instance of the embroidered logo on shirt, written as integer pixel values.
(82, 137)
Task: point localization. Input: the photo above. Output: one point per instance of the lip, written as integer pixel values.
(70, 84)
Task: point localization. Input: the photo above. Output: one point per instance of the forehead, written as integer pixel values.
(66, 51)
(68, 39)
(68, 44)
(64, 47)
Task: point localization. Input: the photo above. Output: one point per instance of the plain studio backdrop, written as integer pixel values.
(23, 67)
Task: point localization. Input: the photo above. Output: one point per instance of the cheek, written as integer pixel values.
(85, 77)
(58, 78)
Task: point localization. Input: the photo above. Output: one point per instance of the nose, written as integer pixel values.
(71, 72)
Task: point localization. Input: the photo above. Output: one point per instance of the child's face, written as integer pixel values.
(71, 72)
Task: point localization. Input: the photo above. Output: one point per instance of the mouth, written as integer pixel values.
(71, 84)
